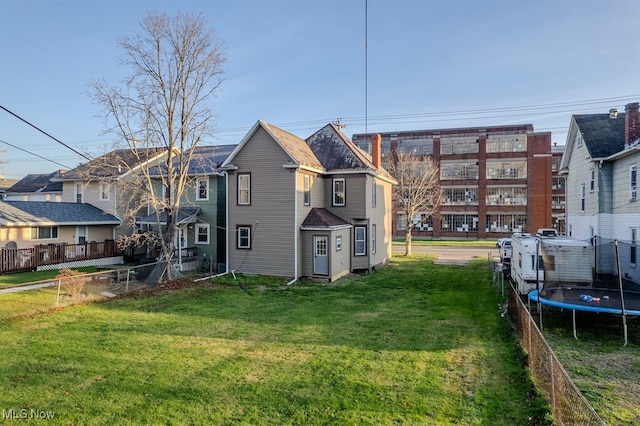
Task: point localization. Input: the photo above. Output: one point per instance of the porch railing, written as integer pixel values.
(28, 259)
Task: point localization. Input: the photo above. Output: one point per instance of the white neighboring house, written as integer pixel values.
(600, 161)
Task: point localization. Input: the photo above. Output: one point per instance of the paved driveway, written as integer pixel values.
(452, 255)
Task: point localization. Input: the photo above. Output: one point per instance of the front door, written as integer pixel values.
(320, 255)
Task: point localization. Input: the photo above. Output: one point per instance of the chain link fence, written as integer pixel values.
(568, 405)
(70, 289)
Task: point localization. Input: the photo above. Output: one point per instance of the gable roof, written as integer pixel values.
(38, 183)
(113, 164)
(327, 150)
(320, 217)
(601, 134)
(296, 148)
(44, 213)
(336, 152)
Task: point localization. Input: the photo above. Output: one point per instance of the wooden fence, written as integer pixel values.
(28, 259)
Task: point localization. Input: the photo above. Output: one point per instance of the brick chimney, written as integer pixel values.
(631, 123)
(376, 150)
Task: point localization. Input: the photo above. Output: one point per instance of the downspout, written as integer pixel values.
(295, 229)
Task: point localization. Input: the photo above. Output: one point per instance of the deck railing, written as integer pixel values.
(29, 259)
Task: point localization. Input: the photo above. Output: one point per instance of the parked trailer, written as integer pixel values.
(528, 264)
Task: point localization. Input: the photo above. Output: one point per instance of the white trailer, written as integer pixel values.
(526, 270)
(563, 259)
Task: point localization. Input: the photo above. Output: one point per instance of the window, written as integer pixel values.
(307, 190)
(44, 232)
(459, 222)
(202, 189)
(458, 145)
(632, 252)
(374, 193)
(202, 233)
(507, 195)
(633, 182)
(373, 239)
(500, 169)
(244, 237)
(104, 191)
(582, 197)
(360, 240)
(453, 170)
(339, 243)
(79, 192)
(507, 143)
(506, 222)
(579, 139)
(244, 189)
(461, 196)
(592, 180)
(338, 192)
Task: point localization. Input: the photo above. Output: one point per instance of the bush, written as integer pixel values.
(72, 281)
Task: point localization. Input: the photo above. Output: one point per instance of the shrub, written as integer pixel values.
(72, 281)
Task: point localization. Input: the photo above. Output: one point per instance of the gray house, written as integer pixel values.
(316, 208)
(600, 164)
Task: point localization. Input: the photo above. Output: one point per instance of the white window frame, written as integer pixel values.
(373, 239)
(307, 190)
(105, 189)
(592, 180)
(79, 192)
(360, 241)
(197, 228)
(244, 187)
(339, 243)
(633, 182)
(583, 201)
(374, 193)
(199, 188)
(633, 253)
(240, 238)
(339, 192)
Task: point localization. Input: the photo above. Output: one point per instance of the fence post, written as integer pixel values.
(58, 296)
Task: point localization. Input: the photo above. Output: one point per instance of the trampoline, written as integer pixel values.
(612, 290)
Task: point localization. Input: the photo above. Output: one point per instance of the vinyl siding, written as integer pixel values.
(621, 201)
(271, 212)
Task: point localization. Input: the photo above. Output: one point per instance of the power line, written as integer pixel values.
(42, 131)
(33, 153)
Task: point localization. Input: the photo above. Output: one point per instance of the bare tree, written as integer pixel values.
(164, 104)
(418, 191)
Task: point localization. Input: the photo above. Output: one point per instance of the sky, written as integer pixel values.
(376, 65)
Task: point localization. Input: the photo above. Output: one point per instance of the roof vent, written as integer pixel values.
(613, 113)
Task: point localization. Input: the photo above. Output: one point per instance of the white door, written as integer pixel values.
(320, 255)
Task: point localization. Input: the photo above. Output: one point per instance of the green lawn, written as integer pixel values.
(414, 343)
(10, 280)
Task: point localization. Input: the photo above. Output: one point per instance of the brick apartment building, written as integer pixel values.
(558, 190)
(496, 180)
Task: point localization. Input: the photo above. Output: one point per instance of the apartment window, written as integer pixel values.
(582, 197)
(360, 240)
(506, 143)
(339, 243)
(244, 189)
(558, 183)
(202, 233)
(633, 182)
(459, 170)
(632, 251)
(459, 222)
(592, 180)
(373, 239)
(104, 191)
(79, 192)
(44, 232)
(515, 169)
(307, 190)
(458, 145)
(374, 193)
(401, 222)
(202, 189)
(338, 192)
(244, 237)
(461, 196)
(507, 196)
(505, 222)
